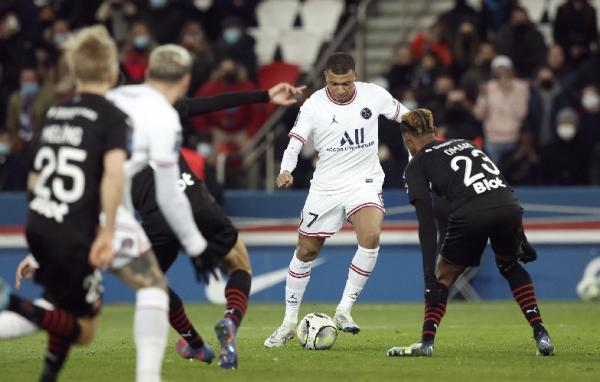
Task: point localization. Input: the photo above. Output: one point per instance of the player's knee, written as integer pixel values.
(369, 239)
(506, 264)
(306, 253)
(87, 333)
(237, 259)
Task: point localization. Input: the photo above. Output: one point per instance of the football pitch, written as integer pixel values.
(476, 342)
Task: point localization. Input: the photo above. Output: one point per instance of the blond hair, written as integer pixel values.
(418, 122)
(169, 63)
(91, 54)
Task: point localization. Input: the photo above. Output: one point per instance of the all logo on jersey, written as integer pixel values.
(359, 137)
(366, 113)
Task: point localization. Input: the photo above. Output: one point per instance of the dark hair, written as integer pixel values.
(418, 122)
(340, 63)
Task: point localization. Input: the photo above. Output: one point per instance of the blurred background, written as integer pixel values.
(520, 78)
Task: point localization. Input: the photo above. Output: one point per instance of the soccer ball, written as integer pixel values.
(588, 288)
(316, 331)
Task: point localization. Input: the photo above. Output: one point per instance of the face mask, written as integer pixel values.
(566, 131)
(12, 24)
(231, 36)
(410, 105)
(141, 42)
(4, 149)
(590, 100)
(29, 88)
(204, 149)
(59, 38)
(230, 77)
(546, 84)
(157, 3)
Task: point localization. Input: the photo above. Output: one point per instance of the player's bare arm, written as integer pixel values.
(111, 191)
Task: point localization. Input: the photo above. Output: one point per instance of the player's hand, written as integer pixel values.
(101, 253)
(25, 270)
(283, 94)
(528, 253)
(284, 180)
(205, 265)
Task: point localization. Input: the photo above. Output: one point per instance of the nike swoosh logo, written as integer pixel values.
(215, 290)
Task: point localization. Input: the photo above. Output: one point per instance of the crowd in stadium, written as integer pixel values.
(487, 74)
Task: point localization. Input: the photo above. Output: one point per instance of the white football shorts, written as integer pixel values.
(324, 215)
(129, 240)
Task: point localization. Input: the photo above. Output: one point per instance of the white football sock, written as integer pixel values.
(295, 285)
(13, 325)
(150, 329)
(361, 268)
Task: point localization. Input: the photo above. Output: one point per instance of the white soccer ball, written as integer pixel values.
(316, 331)
(588, 288)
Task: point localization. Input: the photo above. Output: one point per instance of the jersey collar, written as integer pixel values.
(341, 103)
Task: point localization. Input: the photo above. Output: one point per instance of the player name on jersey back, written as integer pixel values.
(69, 161)
(460, 172)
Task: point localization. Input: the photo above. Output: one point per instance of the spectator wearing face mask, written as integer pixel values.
(479, 72)
(590, 118)
(117, 16)
(26, 110)
(464, 48)
(193, 38)
(460, 122)
(566, 160)
(523, 43)
(546, 99)
(502, 106)
(230, 128)
(137, 53)
(236, 44)
(15, 52)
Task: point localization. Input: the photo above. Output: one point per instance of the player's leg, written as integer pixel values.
(307, 250)
(507, 242)
(237, 290)
(190, 345)
(13, 325)
(364, 209)
(463, 246)
(321, 217)
(150, 323)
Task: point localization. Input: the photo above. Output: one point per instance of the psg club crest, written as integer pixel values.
(366, 113)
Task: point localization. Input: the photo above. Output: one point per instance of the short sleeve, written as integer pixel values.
(391, 108)
(304, 124)
(416, 182)
(165, 139)
(118, 131)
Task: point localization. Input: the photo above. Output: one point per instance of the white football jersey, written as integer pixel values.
(346, 136)
(156, 135)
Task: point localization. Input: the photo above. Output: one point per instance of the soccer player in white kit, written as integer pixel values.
(156, 139)
(341, 121)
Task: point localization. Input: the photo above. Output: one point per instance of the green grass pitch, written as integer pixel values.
(476, 342)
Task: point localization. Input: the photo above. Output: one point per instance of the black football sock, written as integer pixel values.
(435, 308)
(523, 292)
(181, 323)
(58, 349)
(237, 291)
(56, 321)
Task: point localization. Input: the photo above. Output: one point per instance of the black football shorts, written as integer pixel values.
(215, 226)
(468, 233)
(68, 280)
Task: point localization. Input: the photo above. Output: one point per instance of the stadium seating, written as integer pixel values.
(300, 47)
(267, 41)
(322, 16)
(277, 15)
